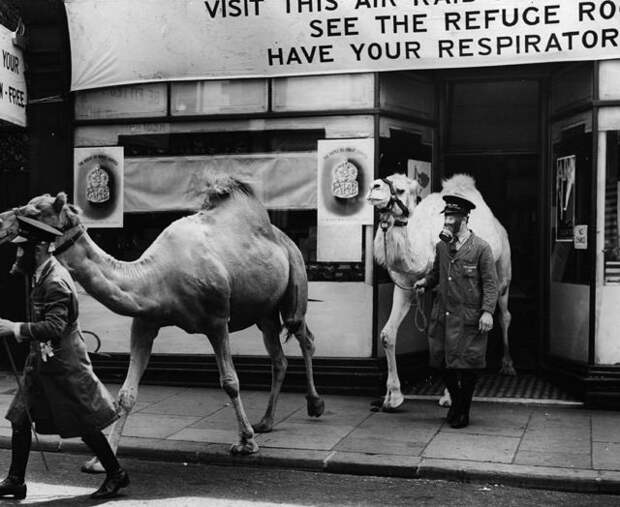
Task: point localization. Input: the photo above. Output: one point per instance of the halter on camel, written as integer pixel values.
(394, 200)
(420, 319)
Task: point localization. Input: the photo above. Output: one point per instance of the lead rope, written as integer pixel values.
(419, 319)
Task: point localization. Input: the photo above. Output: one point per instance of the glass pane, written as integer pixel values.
(219, 97)
(612, 241)
(609, 77)
(500, 114)
(309, 93)
(136, 101)
(570, 267)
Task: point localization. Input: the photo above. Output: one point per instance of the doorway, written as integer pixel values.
(491, 130)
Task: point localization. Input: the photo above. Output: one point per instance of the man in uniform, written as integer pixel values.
(462, 313)
(59, 389)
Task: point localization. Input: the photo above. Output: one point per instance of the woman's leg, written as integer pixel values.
(21, 440)
(116, 476)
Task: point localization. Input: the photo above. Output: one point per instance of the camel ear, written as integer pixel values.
(59, 202)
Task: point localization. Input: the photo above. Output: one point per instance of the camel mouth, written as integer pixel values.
(378, 202)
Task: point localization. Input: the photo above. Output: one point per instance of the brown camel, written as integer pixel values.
(405, 246)
(219, 270)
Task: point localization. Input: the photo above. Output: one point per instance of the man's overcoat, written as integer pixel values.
(63, 394)
(467, 281)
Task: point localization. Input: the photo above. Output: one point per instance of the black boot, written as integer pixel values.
(116, 477)
(113, 482)
(452, 384)
(13, 486)
(468, 384)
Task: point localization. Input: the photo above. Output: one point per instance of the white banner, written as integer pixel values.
(98, 185)
(12, 80)
(116, 42)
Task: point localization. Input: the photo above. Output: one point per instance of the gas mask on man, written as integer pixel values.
(25, 260)
(451, 229)
(456, 212)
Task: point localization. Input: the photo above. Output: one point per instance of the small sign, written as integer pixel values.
(13, 97)
(345, 168)
(581, 237)
(98, 185)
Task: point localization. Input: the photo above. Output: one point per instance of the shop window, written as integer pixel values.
(135, 101)
(220, 143)
(313, 93)
(141, 228)
(219, 97)
(571, 205)
(612, 237)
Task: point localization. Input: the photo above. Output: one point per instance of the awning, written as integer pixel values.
(280, 180)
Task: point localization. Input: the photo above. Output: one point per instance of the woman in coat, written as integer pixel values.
(60, 391)
(462, 314)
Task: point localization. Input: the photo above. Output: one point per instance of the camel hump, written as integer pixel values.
(220, 188)
(482, 220)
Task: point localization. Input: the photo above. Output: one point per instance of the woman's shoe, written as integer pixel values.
(11, 486)
(113, 482)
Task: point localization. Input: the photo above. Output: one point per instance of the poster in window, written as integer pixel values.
(420, 171)
(98, 185)
(344, 174)
(565, 198)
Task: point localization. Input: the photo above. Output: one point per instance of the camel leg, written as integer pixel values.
(271, 336)
(401, 302)
(315, 405)
(505, 318)
(218, 336)
(142, 336)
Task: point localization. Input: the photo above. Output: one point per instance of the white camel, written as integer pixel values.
(219, 270)
(405, 245)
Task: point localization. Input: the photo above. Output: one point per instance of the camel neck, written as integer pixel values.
(115, 284)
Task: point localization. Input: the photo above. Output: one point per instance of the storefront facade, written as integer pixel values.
(541, 138)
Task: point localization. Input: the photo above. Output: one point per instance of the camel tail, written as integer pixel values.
(294, 302)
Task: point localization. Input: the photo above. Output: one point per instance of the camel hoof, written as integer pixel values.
(508, 368)
(316, 407)
(445, 401)
(244, 448)
(92, 466)
(263, 427)
(392, 402)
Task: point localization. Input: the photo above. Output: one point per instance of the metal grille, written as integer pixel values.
(492, 385)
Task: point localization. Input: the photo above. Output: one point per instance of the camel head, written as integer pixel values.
(395, 197)
(53, 211)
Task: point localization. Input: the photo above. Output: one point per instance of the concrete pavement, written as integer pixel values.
(555, 447)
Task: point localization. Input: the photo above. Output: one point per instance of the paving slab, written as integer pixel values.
(606, 427)
(156, 426)
(606, 455)
(558, 459)
(473, 447)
